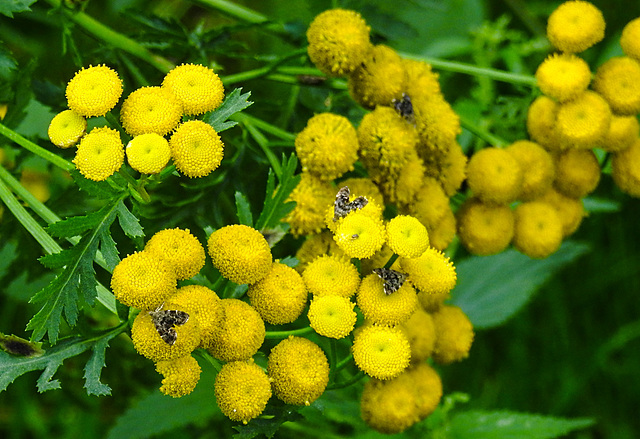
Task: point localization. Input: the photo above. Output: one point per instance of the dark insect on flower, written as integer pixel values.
(343, 206)
(393, 279)
(404, 107)
(165, 321)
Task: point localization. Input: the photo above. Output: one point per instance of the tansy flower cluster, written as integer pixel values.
(151, 118)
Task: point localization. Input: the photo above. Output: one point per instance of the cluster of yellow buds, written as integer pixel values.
(147, 115)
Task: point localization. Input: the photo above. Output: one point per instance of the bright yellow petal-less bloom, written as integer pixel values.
(66, 128)
(541, 122)
(484, 229)
(197, 88)
(148, 343)
(575, 26)
(315, 246)
(618, 81)
(432, 272)
(494, 176)
(570, 210)
(331, 276)
(577, 173)
(379, 79)
(94, 91)
(444, 232)
(436, 122)
(359, 235)
(538, 229)
(630, 39)
(180, 375)
(240, 334)
(428, 388)
(148, 153)
(450, 169)
(584, 121)
(623, 131)
(563, 76)
(454, 334)
(381, 352)
(538, 166)
(196, 148)
(431, 203)
(389, 406)
(242, 390)
(180, 249)
(421, 333)
(406, 236)
(626, 169)
(100, 153)
(150, 110)
(332, 316)
(382, 308)
(312, 196)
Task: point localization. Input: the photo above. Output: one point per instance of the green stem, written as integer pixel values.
(36, 205)
(285, 334)
(260, 139)
(357, 377)
(267, 127)
(242, 13)
(137, 189)
(391, 261)
(333, 352)
(261, 71)
(36, 149)
(482, 133)
(344, 362)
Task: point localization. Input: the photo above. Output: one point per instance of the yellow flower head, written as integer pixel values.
(372, 209)
(494, 176)
(584, 121)
(401, 186)
(432, 302)
(180, 375)
(66, 128)
(630, 39)
(36, 182)
(240, 253)
(563, 76)
(327, 146)
(280, 296)
(485, 229)
(299, 371)
(382, 308)
(431, 273)
(94, 91)
(618, 81)
(570, 210)
(100, 153)
(450, 169)
(541, 122)
(331, 276)
(148, 343)
(364, 186)
(575, 26)
(148, 153)
(538, 229)
(623, 131)
(420, 79)
(454, 334)
(180, 249)
(315, 246)
(197, 88)
(538, 165)
(312, 196)
(389, 406)
(442, 235)
(240, 334)
(242, 390)
(338, 41)
(436, 122)
(378, 79)
(203, 304)
(626, 169)
(196, 148)
(427, 386)
(143, 280)
(407, 236)
(332, 316)
(359, 235)
(431, 203)
(421, 333)
(381, 352)
(577, 173)
(150, 110)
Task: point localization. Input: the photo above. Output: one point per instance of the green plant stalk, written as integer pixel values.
(354, 379)
(391, 260)
(261, 140)
(242, 13)
(482, 133)
(333, 350)
(36, 149)
(285, 334)
(266, 127)
(263, 71)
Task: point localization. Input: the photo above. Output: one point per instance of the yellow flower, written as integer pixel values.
(427, 386)
(443, 233)
(431, 273)
(150, 110)
(365, 187)
(450, 168)
(100, 153)
(484, 229)
(148, 153)
(431, 203)
(327, 146)
(584, 121)
(197, 88)
(432, 302)
(331, 276)
(372, 209)
(626, 169)
(385, 309)
(421, 333)
(577, 173)
(420, 79)
(180, 249)
(538, 165)
(541, 122)
(312, 196)
(315, 246)
(575, 26)
(378, 79)
(180, 375)
(570, 210)
(36, 182)
(66, 128)
(494, 176)
(381, 352)
(389, 406)
(618, 81)
(240, 253)
(454, 334)
(400, 187)
(332, 316)
(338, 41)
(436, 122)
(538, 229)
(359, 235)
(202, 303)
(379, 259)
(563, 76)
(623, 131)
(196, 148)
(94, 91)
(240, 334)
(280, 296)
(407, 236)
(630, 39)
(299, 371)
(148, 343)
(143, 280)
(242, 390)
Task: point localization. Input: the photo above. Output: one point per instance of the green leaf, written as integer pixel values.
(128, 221)
(269, 425)
(275, 205)
(8, 64)
(243, 209)
(510, 425)
(103, 190)
(9, 7)
(600, 205)
(93, 368)
(233, 103)
(492, 289)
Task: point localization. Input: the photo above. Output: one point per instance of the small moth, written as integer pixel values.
(393, 279)
(404, 107)
(342, 206)
(165, 321)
